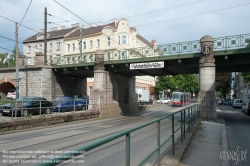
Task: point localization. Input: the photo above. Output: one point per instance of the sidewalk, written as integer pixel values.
(202, 146)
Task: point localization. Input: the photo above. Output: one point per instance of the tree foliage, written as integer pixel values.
(223, 83)
(181, 82)
(246, 76)
(12, 58)
(2, 61)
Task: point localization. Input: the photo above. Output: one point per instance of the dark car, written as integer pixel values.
(27, 105)
(68, 103)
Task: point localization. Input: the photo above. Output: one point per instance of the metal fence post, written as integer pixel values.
(59, 106)
(184, 123)
(12, 110)
(173, 133)
(181, 128)
(191, 108)
(188, 119)
(128, 149)
(22, 109)
(74, 104)
(40, 103)
(15, 110)
(158, 142)
(194, 115)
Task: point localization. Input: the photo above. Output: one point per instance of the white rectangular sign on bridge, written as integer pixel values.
(148, 65)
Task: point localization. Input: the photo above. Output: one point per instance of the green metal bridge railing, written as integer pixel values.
(220, 43)
(191, 112)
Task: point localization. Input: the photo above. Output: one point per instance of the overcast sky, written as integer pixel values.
(166, 21)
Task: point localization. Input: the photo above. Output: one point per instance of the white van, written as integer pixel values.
(237, 103)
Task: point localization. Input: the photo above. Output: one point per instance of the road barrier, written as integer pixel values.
(188, 116)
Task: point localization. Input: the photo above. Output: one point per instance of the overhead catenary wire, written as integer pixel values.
(32, 30)
(30, 46)
(193, 15)
(143, 24)
(86, 22)
(118, 9)
(24, 15)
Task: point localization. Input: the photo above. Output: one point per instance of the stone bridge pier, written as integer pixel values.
(207, 100)
(115, 93)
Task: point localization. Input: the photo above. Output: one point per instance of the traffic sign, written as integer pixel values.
(16, 79)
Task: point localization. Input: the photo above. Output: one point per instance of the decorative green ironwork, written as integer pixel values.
(221, 43)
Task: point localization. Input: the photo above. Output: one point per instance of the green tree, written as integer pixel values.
(223, 83)
(246, 76)
(181, 82)
(2, 61)
(12, 58)
(248, 41)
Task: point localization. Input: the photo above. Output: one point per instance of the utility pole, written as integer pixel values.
(81, 42)
(45, 36)
(17, 64)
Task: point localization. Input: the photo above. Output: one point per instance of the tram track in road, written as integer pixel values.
(117, 141)
(93, 125)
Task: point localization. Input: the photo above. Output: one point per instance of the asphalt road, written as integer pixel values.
(238, 135)
(39, 144)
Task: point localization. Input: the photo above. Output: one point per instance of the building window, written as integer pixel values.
(29, 49)
(124, 55)
(98, 43)
(58, 46)
(28, 60)
(119, 39)
(35, 48)
(79, 45)
(68, 47)
(73, 45)
(84, 45)
(108, 41)
(91, 44)
(50, 46)
(124, 39)
(41, 47)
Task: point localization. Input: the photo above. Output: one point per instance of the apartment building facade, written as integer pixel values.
(115, 39)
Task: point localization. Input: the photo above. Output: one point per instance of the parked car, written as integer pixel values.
(220, 102)
(237, 103)
(246, 107)
(164, 101)
(67, 103)
(226, 102)
(11, 94)
(82, 103)
(27, 105)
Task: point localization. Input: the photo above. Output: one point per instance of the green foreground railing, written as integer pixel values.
(191, 112)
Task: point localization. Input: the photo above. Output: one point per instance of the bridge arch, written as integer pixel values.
(6, 84)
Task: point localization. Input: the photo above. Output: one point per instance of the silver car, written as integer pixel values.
(237, 103)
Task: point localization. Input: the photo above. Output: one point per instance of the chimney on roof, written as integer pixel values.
(53, 29)
(153, 42)
(99, 23)
(41, 30)
(93, 25)
(63, 27)
(74, 25)
(82, 26)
